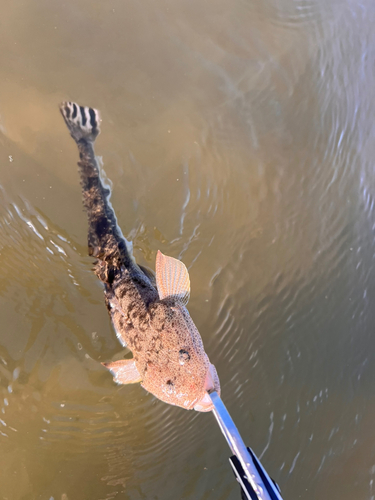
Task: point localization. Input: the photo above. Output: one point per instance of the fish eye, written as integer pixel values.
(183, 356)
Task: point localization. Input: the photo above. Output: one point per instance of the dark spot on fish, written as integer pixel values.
(111, 275)
(143, 322)
(83, 114)
(92, 182)
(67, 112)
(170, 386)
(74, 115)
(121, 294)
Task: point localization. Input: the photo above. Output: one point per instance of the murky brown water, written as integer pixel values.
(239, 136)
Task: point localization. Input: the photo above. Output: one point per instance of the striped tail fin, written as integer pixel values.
(83, 122)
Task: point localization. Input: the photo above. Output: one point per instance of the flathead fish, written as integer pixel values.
(148, 311)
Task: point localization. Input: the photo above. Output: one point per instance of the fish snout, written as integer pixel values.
(205, 404)
(211, 384)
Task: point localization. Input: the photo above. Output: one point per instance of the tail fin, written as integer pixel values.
(82, 122)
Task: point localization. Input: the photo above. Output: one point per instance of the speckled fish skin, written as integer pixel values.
(168, 354)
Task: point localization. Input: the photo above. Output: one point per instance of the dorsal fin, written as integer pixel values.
(172, 279)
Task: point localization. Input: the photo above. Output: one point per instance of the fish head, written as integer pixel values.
(178, 370)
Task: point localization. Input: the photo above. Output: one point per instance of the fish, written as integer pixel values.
(147, 309)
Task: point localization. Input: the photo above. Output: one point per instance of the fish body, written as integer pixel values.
(148, 312)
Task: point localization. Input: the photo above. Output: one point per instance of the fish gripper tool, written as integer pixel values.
(255, 483)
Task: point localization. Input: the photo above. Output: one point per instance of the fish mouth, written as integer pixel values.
(211, 384)
(205, 404)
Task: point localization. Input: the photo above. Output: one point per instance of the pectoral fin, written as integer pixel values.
(172, 279)
(124, 371)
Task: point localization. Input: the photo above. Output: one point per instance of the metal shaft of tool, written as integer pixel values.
(238, 448)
